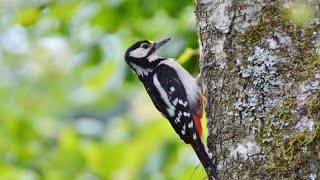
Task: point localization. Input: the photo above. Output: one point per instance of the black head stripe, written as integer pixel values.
(136, 46)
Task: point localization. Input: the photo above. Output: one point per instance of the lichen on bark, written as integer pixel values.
(261, 81)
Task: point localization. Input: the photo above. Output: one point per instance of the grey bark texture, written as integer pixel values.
(261, 82)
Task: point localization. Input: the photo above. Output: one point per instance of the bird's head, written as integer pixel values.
(141, 56)
(144, 49)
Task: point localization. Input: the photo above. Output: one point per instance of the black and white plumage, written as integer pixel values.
(175, 93)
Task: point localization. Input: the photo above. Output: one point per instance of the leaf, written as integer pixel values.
(103, 74)
(28, 16)
(186, 55)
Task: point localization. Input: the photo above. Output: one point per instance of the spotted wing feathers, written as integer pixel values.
(182, 118)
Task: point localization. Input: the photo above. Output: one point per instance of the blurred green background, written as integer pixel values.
(70, 108)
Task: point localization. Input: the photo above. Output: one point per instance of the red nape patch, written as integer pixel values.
(197, 122)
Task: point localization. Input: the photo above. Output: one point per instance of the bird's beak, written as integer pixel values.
(160, 43)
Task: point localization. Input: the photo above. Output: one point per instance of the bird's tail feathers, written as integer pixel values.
(206, 159)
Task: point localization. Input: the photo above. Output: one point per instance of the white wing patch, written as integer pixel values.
(183, 131)
(175, 101)
(194, 136)
(171, 109)
(186, 114)
(172, 89)
(183, 103)
(177, 120)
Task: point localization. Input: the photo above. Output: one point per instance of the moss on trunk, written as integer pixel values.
(262, 86)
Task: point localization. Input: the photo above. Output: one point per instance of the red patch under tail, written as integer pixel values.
(197, 115)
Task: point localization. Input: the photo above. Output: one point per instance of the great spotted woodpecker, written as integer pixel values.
(175, 93)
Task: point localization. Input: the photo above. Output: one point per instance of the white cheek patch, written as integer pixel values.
(139, 53)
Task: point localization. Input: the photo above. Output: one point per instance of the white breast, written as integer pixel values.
(190, 83)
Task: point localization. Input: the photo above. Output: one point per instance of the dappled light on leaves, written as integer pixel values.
(70, 108)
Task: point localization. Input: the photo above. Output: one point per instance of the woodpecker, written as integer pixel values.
(175, 93)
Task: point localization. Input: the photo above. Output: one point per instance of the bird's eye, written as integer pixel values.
(145, 46)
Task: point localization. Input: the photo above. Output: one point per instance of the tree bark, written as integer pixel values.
(261, 81)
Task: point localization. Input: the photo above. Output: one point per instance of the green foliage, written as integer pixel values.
(70, 108)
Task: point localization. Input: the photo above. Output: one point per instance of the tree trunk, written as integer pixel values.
(261, 81)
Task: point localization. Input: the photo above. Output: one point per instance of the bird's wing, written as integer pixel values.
(178, 111)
